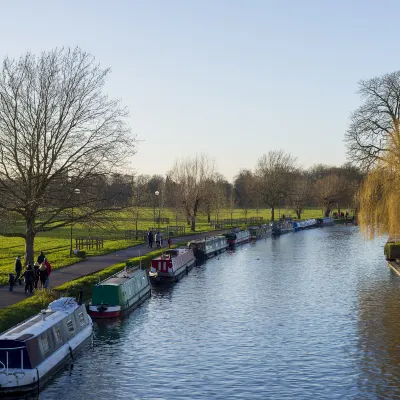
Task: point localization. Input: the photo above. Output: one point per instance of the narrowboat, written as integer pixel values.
(34, 350)
(171, 265)
(121, 292)
(259, 232)
(326, 221)
(237, 237)
(208, 247)
(282, 227)
(307, 224)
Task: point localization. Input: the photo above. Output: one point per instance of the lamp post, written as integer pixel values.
(157, 193)
(76, 191)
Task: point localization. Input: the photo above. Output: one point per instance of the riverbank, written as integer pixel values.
(16, 307)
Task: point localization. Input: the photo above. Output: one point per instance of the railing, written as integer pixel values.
(5, 367)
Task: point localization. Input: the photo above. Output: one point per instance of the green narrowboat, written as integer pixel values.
(120, 292)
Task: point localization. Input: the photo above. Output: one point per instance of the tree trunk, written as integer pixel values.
(193, 227)
(29, 246)
(327, 212)
(272, 213)
(298, 212)
(208, 216)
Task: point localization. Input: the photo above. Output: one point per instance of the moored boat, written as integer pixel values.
(307, 224)
(120, 292)
(34, 350)
(237, 236)
(171, 265)
(208, 247)
(259, 232)
(326, 221)
(282, 227)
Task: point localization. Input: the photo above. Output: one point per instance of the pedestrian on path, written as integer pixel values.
(18, 270)
(43, 276)
(11, 282)
(29, 276)
(36, 271)
(169, 242)
(41, 257)
(48, 268)
(150, 238)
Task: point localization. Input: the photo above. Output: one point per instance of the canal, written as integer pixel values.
(308, 315)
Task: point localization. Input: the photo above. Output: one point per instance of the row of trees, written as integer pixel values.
(193, 185)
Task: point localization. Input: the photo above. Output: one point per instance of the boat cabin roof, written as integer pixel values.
(208, 238)
(121, 277)
(36, 325)
(172, 253)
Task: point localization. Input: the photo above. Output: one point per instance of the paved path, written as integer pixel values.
(89, 266)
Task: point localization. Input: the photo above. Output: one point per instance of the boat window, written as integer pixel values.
(45, 343)
(81, 319)
(57, 333)
(70, 326)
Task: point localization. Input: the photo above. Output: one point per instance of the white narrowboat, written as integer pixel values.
(34, 350)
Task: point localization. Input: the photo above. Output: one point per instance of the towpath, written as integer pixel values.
(89, 266)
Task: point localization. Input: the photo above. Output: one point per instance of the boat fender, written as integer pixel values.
(38, 381)
(70, 352)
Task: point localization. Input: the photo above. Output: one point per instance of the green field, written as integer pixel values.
(56, 243)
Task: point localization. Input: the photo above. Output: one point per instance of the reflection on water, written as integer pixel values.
(308, 315)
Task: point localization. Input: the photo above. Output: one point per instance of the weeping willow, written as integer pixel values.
(379, 195)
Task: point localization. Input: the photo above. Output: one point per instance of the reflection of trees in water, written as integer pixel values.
(379, 341)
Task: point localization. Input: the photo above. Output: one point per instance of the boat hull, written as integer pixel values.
(161, 278)
(117, 311)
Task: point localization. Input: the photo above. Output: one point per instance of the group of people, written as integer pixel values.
(40, 272)
(159, 239)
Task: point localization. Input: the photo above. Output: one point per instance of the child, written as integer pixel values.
(11, 282)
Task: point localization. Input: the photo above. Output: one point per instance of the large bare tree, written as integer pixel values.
(60, 135)
(328, 191)
(191, 176)
(375, 125)
(274, 171)
(300, 192)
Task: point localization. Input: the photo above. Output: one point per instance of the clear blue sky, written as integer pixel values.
(233, 79)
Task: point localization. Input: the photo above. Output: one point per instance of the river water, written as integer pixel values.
(309, 315)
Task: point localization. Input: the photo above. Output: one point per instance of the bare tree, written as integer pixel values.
(327, 191)
(58, 132)
(376, 121)
(191, 176)
(245, 189)
(300, 192)
(275, 171)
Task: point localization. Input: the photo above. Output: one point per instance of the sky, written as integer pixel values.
(231, 79)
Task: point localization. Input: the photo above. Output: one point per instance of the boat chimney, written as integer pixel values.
(80, 298)
(43, 312)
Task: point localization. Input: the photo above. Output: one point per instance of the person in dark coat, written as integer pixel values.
(43, 275)
(36, 271)
(150, 238)
(41, 257)
(29, 276)
(18, 270)
(11, 282)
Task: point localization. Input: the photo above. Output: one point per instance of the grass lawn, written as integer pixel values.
(56, 243)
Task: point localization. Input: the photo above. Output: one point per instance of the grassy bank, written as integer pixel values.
(56, 243)
(12, 315)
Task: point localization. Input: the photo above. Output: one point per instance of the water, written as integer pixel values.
(310, 315)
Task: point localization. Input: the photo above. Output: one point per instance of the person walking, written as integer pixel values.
(43, 275)
(29, 276)
(11, 282)
(48, 268)
(18, 270)
(41, 257)
(36, 271)
(150, 238)
(169, 242)
(158, 239)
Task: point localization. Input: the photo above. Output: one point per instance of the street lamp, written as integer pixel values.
(76, 191)
(157, 194)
